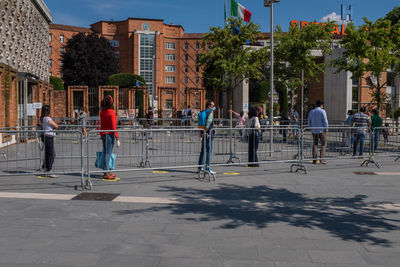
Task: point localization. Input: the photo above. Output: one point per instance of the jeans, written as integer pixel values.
(358, 137)
(375, 139)
(48, 152)
(108, 144)
(207, 143)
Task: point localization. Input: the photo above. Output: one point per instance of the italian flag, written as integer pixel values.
(237, 10)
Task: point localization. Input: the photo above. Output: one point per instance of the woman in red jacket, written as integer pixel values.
(108, 121)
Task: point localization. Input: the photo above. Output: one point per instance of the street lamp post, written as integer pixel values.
(270, 3)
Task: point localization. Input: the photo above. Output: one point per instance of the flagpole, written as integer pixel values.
(225, 12)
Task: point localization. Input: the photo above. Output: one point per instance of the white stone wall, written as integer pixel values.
(337, 90)
(24, 36)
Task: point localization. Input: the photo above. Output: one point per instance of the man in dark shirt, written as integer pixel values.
(361, 124)
(376, 124)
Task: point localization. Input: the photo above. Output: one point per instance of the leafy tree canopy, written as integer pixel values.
(57, 83)
(88, 60)
(372, 48)
(394, 15)
(124, 80)
(297, 51)
(229, 61)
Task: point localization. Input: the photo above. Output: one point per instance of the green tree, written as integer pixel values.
(394, 15)
(294, 53)
(229, 62)
(125, 80)
(371, 50)
(88, 60)
(57, 83)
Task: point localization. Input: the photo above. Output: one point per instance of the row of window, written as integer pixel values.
(172, 57)
(171, 79)
(172, 46)
(171, 68)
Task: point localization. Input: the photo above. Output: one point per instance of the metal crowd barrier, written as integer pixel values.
(177, 148)
(25, 154)
(147, 148)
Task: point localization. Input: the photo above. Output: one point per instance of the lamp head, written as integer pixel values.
(268, 3)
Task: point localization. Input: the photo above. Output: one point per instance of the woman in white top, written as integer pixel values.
(48, 126)
(253, 136)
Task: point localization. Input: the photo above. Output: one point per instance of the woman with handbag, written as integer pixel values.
(108, 121)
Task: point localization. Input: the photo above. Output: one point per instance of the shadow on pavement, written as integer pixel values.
(350, 219)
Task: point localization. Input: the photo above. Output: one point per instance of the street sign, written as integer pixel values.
(245, 107)
(37, 105)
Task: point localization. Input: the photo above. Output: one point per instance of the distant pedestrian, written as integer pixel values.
(149, 117)
(360, 124)
(385, 133)
(284, 123)
(254, 126)
(83, 120)
(240, 122)
(294, 120)
(318, 122)
(108, 122)
(207, 140)
(348, 134)
(48, 126)
(188, 116)
(376, 124)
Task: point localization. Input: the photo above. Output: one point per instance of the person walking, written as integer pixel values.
(207, 141)
(83, 120)
(108, 121)
(188, 116)
(376, 124)
(48, 126)
(348, 134)
(253, 136)
(318, 122)
(360, 122)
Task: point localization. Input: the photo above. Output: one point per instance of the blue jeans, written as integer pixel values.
(358, 137)
(375, 139)
(206, 143)
(108, 144)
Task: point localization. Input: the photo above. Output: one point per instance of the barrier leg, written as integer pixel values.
(371, 158)
(232, 151)
(299, 165)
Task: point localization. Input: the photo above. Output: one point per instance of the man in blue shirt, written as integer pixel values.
(318, 122)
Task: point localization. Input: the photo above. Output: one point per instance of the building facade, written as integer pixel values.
(163, 54)
(24, 72)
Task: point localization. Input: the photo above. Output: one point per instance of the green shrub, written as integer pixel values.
(124, 80)
(57, 83)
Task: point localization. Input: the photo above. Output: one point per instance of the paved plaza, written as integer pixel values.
(336, 215)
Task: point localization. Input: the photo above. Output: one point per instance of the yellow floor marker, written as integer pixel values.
(43, 177)
(231, 173)
(160, 172)
(111, 180)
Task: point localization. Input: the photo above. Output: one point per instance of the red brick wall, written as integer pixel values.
(8, 97)
(60, 104)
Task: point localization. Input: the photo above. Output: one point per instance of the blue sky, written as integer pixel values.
(200, 15)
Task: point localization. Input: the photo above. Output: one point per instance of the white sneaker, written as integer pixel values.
(212, 172)
(52, 176)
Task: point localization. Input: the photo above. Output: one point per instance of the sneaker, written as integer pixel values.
(52, 176)
(314, 162)
(212, 172)
(322, 162)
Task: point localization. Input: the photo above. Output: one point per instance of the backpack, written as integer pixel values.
(189, 114)
(202, 119)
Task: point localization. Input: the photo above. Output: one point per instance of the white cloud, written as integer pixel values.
(332, 17)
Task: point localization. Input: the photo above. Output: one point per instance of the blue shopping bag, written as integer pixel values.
(99, 163)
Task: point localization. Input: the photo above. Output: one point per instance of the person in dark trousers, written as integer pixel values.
(376, 124)
(253, 136)
(108, 121)
(361, 124)
(318, 122)
(207, 141)
(284, 123)
(48, 126)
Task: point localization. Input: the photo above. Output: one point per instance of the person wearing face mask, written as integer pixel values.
(207, 141)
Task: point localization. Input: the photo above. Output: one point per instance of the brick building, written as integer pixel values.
(163, 54)
(24, 73)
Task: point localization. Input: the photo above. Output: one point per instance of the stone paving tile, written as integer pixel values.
(190, 262)
(346, 257)
(108, 260)
(69, 258)
(382, 258)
